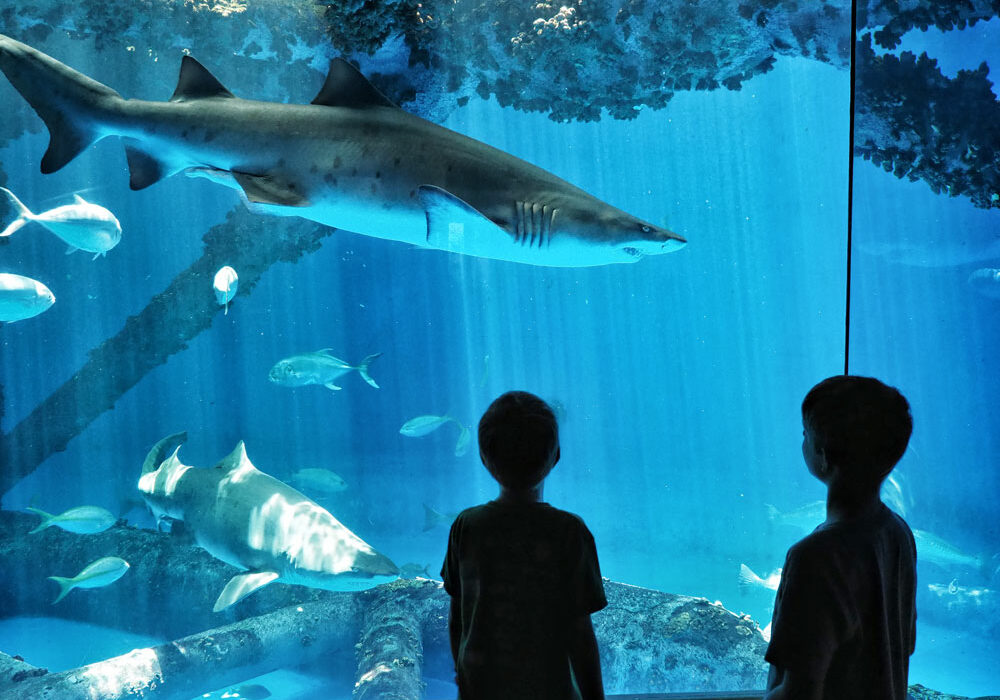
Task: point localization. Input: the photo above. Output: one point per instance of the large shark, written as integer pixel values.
(351, 159)
(258, 524)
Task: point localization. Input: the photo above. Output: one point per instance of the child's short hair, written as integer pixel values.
(518, 435)
(860, 424)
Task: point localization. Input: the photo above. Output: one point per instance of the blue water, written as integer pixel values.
(679, 378)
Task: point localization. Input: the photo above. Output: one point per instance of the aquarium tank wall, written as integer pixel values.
(235, 431)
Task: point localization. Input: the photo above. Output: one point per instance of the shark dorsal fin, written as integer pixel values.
(346, 87)
(196, 82)
(235, 459)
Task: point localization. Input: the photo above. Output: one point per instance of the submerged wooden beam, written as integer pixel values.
(249, 242)
(188, 667)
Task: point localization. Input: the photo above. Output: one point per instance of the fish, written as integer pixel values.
(939, 551)
(97, 574)
(413, 570)
(986, 281)
(425, 425)
(22, 297)
(433, 518)
(225, 283)
(894, 495)
(83, 520)
(350, 159)
(260, 525)
(251, 691)
(804, 518)
(81, 225)
(318, 367)
(464, 439)
(748, 579)
(315, 480)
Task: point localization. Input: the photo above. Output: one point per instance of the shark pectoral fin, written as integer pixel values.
(144, 170)
(332, 386)
(242, 585)
(265, 189)
(455, 226)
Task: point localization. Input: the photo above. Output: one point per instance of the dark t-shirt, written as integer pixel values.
(521, 574)
(849, 588)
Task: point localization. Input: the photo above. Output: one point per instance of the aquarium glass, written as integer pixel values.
(676, 378)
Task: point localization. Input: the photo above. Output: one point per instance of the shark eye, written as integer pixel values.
(644, 228)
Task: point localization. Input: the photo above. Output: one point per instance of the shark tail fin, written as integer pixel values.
(70, 103)
(432, 518)
(363, 368)
(47, 519)
(65, 586)
(161, 450)
(748, 577)
(24, 214)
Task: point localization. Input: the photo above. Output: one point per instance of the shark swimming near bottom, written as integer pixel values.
(258, 524)
(351, 159)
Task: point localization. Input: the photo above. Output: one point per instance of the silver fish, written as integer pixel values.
(83, 520)
(22, 297)
(97, 574)
(315, 480)
(82, 225)
(318, 367)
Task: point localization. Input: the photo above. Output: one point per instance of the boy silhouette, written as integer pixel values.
(844, 622)
(523, 576)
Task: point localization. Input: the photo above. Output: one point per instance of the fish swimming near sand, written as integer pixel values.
(351, 159)
(22, 297)
(260, 525)
(81, 225)
(319, 367)
(98, 574)
(82, 520)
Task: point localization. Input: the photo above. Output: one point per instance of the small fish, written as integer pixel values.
(315, 480)
(22, 297)
(225, 284)
(986, 281)
(97, 574)
(251, 691)
(805, 517)
(464, 438)
(434, 518)
(413, 570)
(424, 425)
(749, 579)
(938, 551)
(318, 367)
(83, 520)
(82, 225)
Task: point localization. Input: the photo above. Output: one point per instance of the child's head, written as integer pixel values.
(859, 425)
(519, 440)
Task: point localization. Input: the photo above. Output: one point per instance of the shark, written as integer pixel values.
(351, 159)
(260, 525)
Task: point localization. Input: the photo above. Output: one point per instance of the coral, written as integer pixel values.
(914, 122)
(896, 17)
